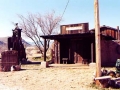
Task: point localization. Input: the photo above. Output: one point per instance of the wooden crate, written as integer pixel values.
(8, 58)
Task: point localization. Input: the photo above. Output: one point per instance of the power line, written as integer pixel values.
(65, 8)
(64, 11)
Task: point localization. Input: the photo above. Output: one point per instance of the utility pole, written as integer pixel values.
(97, 38)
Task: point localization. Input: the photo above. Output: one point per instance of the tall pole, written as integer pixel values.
(97, 38)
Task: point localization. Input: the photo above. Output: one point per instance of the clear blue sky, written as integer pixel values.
(78, 11)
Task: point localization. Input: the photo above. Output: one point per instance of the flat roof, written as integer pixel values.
(68, 36)
(88, 34)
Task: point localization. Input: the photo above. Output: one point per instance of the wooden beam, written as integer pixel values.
(44, 49)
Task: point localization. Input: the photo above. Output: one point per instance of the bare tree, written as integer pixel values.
(35, 25)
(48, 23)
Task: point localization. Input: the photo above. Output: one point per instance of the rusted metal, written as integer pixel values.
(111, 32)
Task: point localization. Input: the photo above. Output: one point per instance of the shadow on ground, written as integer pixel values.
(30, 62)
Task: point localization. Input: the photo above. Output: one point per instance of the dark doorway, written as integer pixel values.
(64, 51)
(80, 51)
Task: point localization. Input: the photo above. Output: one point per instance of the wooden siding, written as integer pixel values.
(77, 46)
(74, 28)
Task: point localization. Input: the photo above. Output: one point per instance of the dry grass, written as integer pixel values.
(33, 77)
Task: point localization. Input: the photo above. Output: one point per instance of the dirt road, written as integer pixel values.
(33, 77)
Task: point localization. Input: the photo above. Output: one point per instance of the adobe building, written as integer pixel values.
(76, 44)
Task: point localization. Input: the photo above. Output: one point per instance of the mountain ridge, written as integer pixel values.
(3, 40)
(4, 43)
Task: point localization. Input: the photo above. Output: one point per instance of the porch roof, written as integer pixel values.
(68, 36)
(74, 36)
(89, 34)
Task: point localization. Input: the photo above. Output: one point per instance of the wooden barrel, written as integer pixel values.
(8, 58)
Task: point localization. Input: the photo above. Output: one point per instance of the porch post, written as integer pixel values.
(59, 52)
(44, 49)
(56, 51)
(91, 53)
(44, 64)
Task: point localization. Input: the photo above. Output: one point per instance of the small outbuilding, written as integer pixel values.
(76, 44)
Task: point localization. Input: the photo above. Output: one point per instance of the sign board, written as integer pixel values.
(74, 28)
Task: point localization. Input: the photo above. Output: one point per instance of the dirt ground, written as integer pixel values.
(33, 77)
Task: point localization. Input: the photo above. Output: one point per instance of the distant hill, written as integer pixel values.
(4, 45)
(26, 43)
(3, 40)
